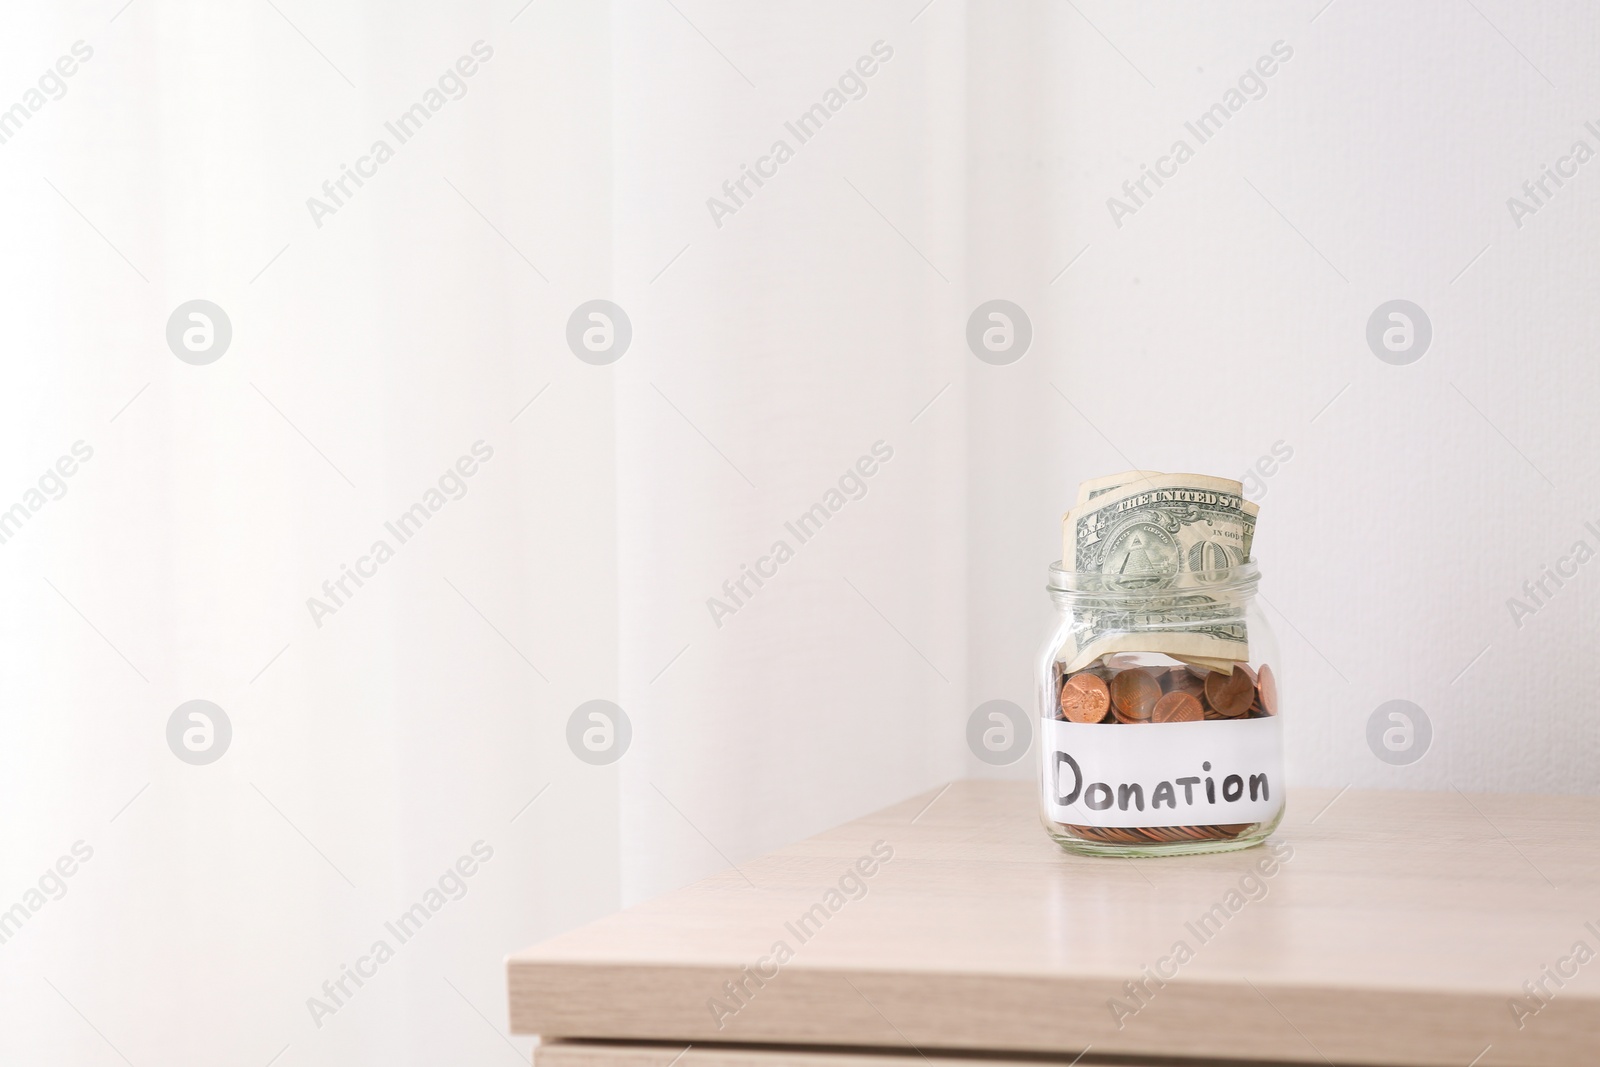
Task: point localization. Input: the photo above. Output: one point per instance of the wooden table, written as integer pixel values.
(1375, 928)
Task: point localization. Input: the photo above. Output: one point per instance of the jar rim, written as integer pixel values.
(1240, 578)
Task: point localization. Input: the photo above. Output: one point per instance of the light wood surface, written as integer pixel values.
(576, 1054)
(1398, 930)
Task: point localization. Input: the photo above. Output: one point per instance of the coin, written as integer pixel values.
(1230, 694)
(1084, 698)
(1179, 680)
(1267, 687)
(1134, 693)
(1177, 707)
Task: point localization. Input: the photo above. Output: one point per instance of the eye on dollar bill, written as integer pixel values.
(1152, 542)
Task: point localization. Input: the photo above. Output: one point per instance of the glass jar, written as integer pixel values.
(1159, 701)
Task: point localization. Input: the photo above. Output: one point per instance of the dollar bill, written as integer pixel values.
(1143, 537)
(1093, 487)
(1204, 663)
(1160, 525)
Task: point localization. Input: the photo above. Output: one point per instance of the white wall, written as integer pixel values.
(1229, 313)
(769, 353)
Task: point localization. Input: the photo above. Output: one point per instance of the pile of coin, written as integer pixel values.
(1144, 835)
(1117, 689)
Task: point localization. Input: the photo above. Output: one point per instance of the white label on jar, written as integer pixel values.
(1162, 774)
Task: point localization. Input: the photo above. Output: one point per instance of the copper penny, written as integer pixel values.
(1179, 680)
(1084, 698)
(1134, 693)
(1267, 686)
(1177, 707)
(1230, 694)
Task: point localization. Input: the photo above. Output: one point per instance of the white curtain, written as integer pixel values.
(375, 746)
